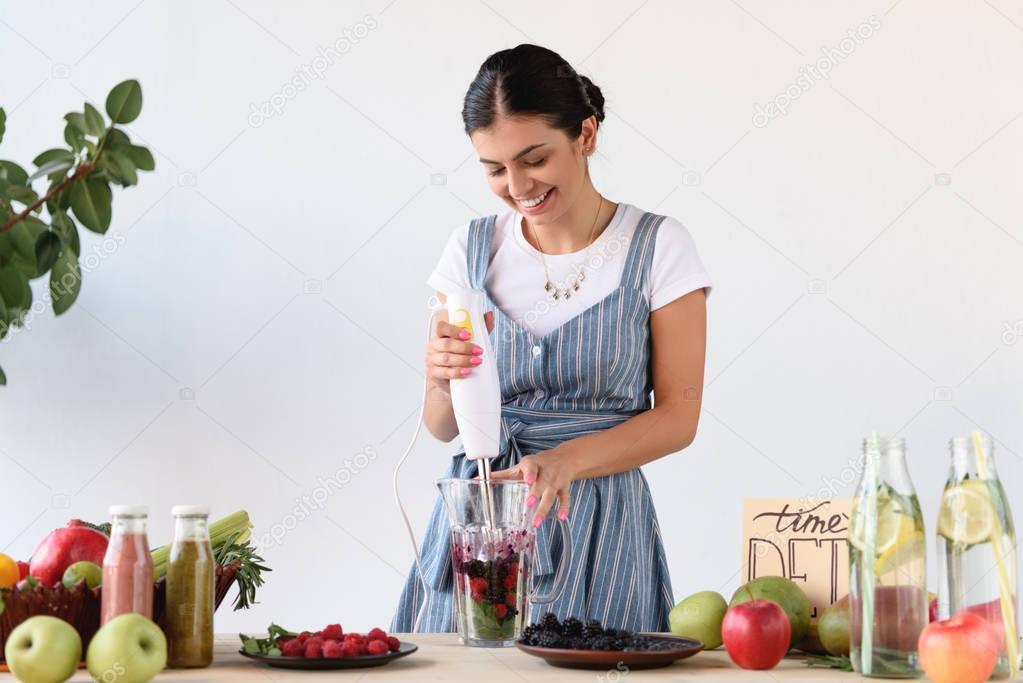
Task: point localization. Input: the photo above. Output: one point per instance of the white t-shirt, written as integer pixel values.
(515, 277)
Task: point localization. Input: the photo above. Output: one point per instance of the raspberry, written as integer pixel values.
(304, 636)
(315, 640)
(291, 647)
(355, 638)
(393, 643)
(510, 599)
(333, 648)
(376, 634)
(500, 611)
(350, 650)
(332, 631)
(377, 647)
(510, 581)
(313, 649)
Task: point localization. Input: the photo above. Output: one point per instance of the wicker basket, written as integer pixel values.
(80, 606)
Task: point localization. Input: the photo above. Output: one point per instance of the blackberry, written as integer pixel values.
(592, 629)
(549, 639)
(602, 643)
(572, 627)
(476, 568)
(577, 643)
(550, 623)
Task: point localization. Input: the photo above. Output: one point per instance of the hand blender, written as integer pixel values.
(476, 401)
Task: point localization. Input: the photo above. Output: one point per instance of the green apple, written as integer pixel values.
(129, 648)
(90, 572)
(699, 616)
(43, 649)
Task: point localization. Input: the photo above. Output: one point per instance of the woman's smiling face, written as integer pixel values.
(524, 160)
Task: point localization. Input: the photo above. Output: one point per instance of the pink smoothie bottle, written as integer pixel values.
(127, 566)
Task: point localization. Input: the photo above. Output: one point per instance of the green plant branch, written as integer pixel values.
(82, 170)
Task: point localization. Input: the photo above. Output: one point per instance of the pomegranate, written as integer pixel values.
(64, 547)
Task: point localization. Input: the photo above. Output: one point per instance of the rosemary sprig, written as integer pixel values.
(250, 568)
(842, 663)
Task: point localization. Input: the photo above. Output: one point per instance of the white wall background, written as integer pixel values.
(256, 319)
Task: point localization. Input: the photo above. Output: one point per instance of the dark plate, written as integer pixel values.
(609, 659)
(282, 662)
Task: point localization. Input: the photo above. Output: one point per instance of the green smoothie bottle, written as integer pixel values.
(190, 590)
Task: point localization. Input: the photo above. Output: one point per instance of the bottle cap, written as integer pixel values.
(129, 510)
(190, 510)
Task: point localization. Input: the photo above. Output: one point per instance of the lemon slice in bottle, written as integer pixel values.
(966, 514)
(891, 526)
(910, 546)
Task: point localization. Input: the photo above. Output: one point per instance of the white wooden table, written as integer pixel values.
(441, 658)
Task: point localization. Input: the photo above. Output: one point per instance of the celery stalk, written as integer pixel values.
(236, 524)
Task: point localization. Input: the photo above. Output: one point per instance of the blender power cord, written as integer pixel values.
(435, 306)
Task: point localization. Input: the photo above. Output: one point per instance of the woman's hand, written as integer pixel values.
(450, 354)
(550, 476)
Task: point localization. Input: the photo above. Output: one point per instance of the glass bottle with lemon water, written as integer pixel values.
(887, 565)
(977, 547)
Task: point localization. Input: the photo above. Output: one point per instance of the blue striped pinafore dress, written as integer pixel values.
(586, 376)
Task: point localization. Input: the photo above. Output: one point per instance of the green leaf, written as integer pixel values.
(3, 383)
(90, 200)
(23, 236)
(77, 120)
(48, 246)
(125, 102)
(15, 175)
(119, 166)
(55, 166)
(65, 226)
(54, 153)
(140, 156)
(3, 315)
(74, 137)
(15, 291)
(117, 137)
(21, 193)
(3, 123)
(65, 281)
(94, 121)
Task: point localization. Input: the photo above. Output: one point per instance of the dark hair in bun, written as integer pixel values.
(531, 80)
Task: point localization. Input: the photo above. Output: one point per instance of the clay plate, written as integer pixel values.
(609, 659)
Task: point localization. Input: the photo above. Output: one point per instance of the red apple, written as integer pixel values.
(963, 649)
(65, 546)
(756, 634)
(22, 569)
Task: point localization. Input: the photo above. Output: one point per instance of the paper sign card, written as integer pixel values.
(802, 540)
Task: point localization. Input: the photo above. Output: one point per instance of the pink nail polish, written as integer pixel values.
(466, 371)
(530, 501)
(537, 521)
(477, 350)
(562, 515)
(529, 479)
(475, 360)
(463, 335)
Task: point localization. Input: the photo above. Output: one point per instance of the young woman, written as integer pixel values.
(594, 305)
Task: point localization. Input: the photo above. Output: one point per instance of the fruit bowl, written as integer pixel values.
(80, 606)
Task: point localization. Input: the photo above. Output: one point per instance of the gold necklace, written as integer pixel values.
(580, 274)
